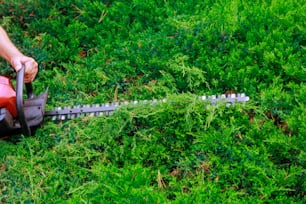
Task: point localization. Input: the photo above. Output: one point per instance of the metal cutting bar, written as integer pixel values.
(106, 109)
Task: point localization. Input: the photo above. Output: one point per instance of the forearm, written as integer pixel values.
(7, 48)
(12, 55)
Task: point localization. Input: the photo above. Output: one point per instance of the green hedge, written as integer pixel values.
(180, 152)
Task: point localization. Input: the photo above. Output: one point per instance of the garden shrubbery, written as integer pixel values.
(180, 151)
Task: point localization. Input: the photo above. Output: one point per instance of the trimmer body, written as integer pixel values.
(16, 114)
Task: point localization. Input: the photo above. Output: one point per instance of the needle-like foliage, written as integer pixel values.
(182, 151)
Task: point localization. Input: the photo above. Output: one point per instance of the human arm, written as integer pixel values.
(11, 54)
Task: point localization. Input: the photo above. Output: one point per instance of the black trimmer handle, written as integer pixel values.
(29, 88)
(19, 100)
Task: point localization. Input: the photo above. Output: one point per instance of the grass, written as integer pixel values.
(178, 152)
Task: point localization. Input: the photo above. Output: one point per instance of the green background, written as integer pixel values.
(178, 152)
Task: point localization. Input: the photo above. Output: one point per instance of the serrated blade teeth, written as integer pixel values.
(59, 116)
(108, 108)
(203, 98)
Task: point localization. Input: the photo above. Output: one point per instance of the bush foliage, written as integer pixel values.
(182, 151)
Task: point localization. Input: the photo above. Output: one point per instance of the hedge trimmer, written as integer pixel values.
(24, 116)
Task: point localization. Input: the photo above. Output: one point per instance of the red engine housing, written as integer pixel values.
(7, 96)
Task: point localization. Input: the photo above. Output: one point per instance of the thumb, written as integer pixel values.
(18, 66)
(16, 63)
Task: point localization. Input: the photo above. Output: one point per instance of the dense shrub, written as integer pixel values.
(181, 151)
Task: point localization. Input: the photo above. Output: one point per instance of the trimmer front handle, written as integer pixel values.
(20, 103)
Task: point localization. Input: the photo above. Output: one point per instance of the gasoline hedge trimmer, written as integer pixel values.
(24, 116)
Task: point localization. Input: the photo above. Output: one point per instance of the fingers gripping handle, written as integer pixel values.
(19, 100)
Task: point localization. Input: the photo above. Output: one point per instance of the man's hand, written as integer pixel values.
(30, 65)
(12, 55)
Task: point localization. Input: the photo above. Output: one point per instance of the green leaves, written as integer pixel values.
(185, 76)
(181, 151)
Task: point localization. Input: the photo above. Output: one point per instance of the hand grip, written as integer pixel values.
(29, 88)
(19, 101)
